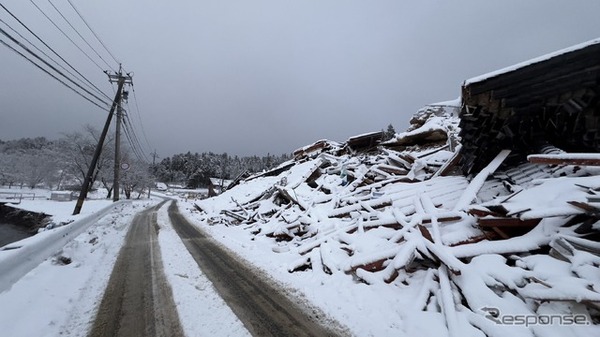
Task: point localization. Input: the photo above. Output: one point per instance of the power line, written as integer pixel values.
(81, 36)
(135, 139)
(91, 30)
(131, 138)
(52, 59)
(137, 108)
(47, 72)
(49, 65)
(51, 49)
(67, 36)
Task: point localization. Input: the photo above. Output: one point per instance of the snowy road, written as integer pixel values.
(262, 308)
(138, 300)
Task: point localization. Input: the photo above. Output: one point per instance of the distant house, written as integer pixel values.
(217, 186)
(60, 196)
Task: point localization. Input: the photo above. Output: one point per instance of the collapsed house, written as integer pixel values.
(513, 236)
(545, 104)
(217, 185)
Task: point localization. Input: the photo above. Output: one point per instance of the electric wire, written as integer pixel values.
(128, 127)
(5, 33)
(47, 72)
(131, 139)
(93, 32)
(52, 59)
(67, 36)
(137, 108)
(81, 36)
(130, 134)
(53, 51)
(135, 139)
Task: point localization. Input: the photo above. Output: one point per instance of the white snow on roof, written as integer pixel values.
(457, 102)
(531, 61)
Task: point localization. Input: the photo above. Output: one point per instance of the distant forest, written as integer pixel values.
(194, 169)
(62, 164)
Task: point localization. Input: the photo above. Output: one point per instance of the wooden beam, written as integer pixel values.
(471, 191)
(507, 222)
(584, 159)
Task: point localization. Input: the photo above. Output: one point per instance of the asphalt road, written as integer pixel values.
(263, 309)
(138, 299)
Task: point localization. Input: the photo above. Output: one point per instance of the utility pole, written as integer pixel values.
(154, 156)
(118, 78)
(117, 166)
(87, 181)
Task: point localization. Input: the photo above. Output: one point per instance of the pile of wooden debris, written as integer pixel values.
(520, 239)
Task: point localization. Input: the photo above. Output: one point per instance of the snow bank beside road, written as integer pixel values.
(18, 258)
(61, 300)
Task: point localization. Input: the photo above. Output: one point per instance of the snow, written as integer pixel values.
(54, 299)
(61, 300)
(201, 311)
(18, 258)
(477, 182)
(566, 156)
(531, 61)
(371, 253)
(457, 102)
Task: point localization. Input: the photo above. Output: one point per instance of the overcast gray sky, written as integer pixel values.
(269, 76)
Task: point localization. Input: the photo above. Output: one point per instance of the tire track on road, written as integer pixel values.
(263, 309)
(138, 299)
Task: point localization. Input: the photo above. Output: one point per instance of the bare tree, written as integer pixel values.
(136, 177)
(79, 147)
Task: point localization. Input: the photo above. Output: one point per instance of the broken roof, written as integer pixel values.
(547, 101)
(530, 62)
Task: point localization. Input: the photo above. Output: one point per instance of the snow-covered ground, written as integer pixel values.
(367, 310)
(201, 311)
(57, 299)
(385, 243)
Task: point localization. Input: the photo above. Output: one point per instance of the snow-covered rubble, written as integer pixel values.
(470, 255)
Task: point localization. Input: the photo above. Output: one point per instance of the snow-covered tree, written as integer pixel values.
(389, 133)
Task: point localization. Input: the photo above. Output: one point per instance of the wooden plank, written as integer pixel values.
(233, 215)
(477, 182)
(443, 219)
(426, 234)
(481, 213)
(501, 233)
(286, 195)
(507, 222)
(450, 164)
(392, 170)
(589, 209)
(583, 159)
